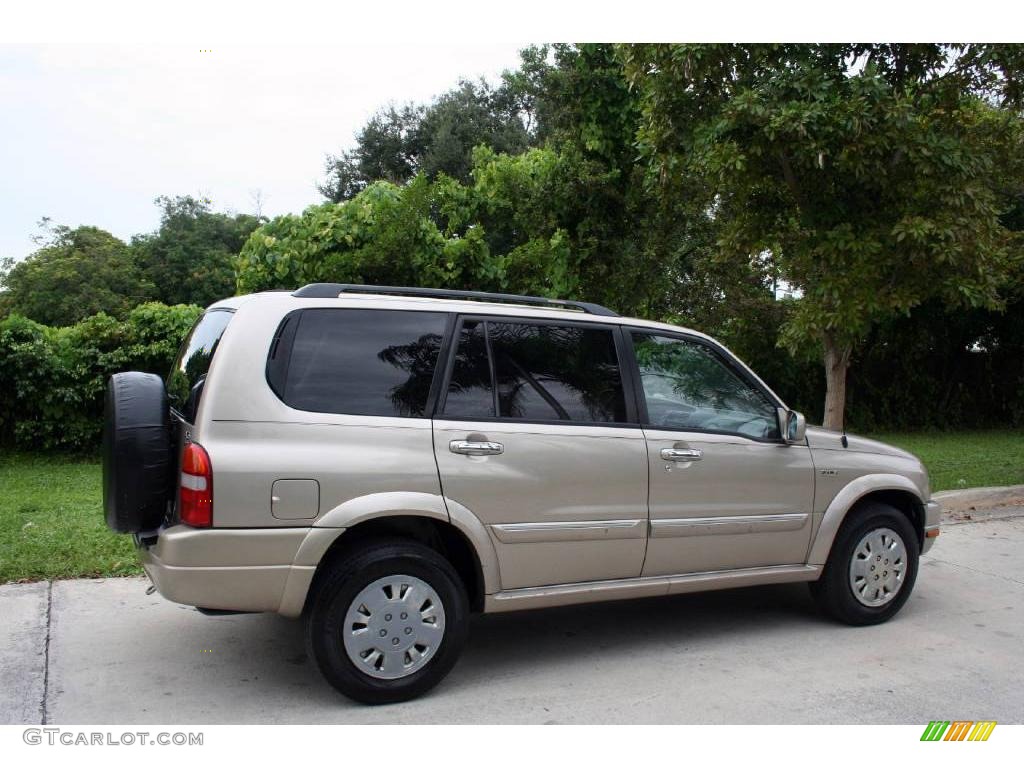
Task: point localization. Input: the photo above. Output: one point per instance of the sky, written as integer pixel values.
(92, 134)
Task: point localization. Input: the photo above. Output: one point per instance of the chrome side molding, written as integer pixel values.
(576, 530)
(705, 526)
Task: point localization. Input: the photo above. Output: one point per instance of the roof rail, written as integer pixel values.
(334, 290)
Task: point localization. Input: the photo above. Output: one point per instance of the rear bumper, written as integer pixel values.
(265, 569)
(932, 515)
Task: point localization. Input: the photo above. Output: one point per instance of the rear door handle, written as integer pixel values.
(475, 448)
(682, 454)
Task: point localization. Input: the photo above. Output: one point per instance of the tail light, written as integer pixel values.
(195, 491)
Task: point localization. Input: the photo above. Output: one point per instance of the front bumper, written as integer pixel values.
(932, 515)
(259, 569)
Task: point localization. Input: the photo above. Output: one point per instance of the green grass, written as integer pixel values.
(965, 459)
(51, 521)
(51, 518)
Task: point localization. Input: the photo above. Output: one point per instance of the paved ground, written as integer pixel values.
(101, 651)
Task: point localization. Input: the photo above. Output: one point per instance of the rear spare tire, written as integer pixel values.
(137, 452)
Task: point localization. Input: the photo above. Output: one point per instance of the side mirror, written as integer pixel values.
(792, 426)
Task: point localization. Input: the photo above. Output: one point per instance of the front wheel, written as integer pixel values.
(388, 622)
(871, 570)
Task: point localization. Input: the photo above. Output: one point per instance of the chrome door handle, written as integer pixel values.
(682, 454)
(475, 448)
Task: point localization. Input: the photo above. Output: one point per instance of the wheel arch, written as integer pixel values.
(460, 537)
(895, 490)
(440, 535)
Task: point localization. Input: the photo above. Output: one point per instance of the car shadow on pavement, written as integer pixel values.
(521, 642)
(504, 641)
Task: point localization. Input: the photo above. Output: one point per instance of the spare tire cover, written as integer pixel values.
(137, 452)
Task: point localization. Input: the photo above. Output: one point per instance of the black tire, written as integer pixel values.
(833, 592)
(137, 452)
(335, 590)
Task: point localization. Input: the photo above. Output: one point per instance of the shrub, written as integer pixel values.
(52, 380)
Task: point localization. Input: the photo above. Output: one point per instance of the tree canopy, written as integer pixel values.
(880, 185)
(866, 176)
(74, 274)
(399, 142)
(190, 258)
(686, 182)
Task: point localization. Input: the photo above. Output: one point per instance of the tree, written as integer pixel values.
(387, 149)
(383, 235)
(189, 259)
(861, 174)
(76, 273)
(399, 142)
(466, 117)
(571, 218)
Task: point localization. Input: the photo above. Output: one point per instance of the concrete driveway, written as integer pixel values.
(101, 651)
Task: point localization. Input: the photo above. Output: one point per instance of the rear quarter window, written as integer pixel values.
(184, 383)
(361, 362)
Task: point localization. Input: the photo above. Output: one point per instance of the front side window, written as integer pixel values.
(536, 372)
(362, 362)
(687, 385)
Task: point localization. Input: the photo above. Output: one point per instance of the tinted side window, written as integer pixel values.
(193, 362)
(540, 372)
(687, 385)
(470, 391)
(363, 362)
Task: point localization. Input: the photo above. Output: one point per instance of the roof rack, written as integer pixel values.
(333, 290)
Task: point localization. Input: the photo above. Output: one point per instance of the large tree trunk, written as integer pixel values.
(837, 360)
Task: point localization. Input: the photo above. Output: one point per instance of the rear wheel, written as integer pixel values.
(871, 570)
(388, 622)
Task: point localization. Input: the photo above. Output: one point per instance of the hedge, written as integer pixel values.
(52, 380)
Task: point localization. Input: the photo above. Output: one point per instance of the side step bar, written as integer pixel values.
(645, 586)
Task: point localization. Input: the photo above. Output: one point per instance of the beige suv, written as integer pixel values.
(384, 461)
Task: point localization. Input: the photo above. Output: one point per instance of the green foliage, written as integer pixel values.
(189, 259)
(681, 183)
(528, 223)
(389, 235)
(569, 216)
(76, 273)
(942, 370)
(871, 193)
(517, 205)
(398, 143)
(383, 235)
(52, 380)
(865, 176)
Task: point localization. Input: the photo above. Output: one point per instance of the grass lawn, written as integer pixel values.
(51, 521)
(51, 518)
(965, 459)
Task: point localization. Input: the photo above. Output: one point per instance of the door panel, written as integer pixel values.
(725, 491)
(743, 504)
(562, 503)
(532, 438)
